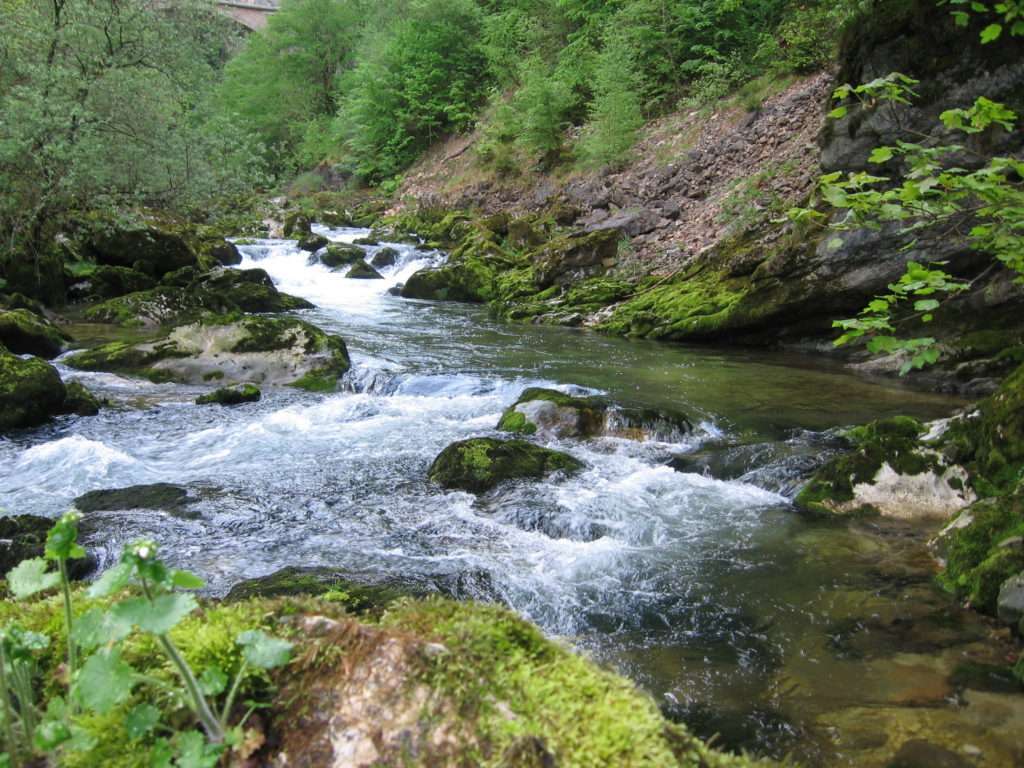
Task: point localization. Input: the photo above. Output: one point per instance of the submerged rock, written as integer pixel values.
(265, 350)
(246, 393)
(340, 255)
(23, 537)
(385, 257)
(479, 464)
(25, 333)
(312, 242)
(79, 400)
(890, 471)
(552, 413)
(30, 391)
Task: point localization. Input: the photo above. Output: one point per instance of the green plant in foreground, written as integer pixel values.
(101, 678)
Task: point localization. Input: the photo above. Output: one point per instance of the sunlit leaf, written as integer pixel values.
(30, 577)
(159, 615)
(263, 651)
(140, 720)
(111, 580)
(104, 681)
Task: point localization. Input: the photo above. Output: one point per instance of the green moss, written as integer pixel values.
(479, 464)
(79, 400)
(513, 421)
(246, 393)
(25, 333)
(317, 381)
(30, 391)
(894, 441)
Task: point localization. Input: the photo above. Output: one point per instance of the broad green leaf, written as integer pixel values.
(880, 155)
(838, 113)
(62, 538)
(29, 577)
(98, 627)
(213, 681)
(925, 305)
(194, 752)
(159, 615)
(140, 720)
(161, 755)
(111, 580)
(104, 681)
(186, 580)
(991, 33)
(50, 734)
(263, 651)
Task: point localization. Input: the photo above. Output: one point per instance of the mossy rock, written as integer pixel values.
(469, 282)
(25, 333)
(312, 242)
(79, 400)
(158, 241)
(245, 393)
(363, 271)
(296, 223)
(164, 497)
(555, 413)
(107, 282)
(341, 254)
(385, 257)
(20, 301)
(972, 547)
(366, 241)
(23, 537)
(479, 464)
(217, 251)
(240, 350)
(572, 257)
(328, 583)
(876, 476)
(30, 391)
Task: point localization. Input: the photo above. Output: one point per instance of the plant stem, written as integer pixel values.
(65, 587)
(230, 701)
(5, 699)
(209, 721)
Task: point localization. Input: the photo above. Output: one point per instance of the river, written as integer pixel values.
(739, 616)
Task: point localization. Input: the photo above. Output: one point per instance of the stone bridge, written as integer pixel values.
(249, 13)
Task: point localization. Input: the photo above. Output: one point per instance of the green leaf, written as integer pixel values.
(111, 580)
(213, 681)
(104, 681)
(140, 720)
(186, 580)
(157, 616)
(925, 305)
(29, 577)
(98, 627)
(62, 538)
(880, 155)
(194, 752)
(50, 734)
(991, 33)
(263, 651)
(838, 113)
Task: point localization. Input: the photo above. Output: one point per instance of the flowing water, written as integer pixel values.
(741, 618)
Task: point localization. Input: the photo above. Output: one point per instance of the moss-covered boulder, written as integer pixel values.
(25, 333)
(312, 242)
(341, 255)
(470, 282)
(296, 224)
(232, 350)
(575, 256)
(328, 583)
(20, 301)
(107, 282)
(245, 393)
(23, 537)
(480, 463)
(185, 295)
(891, 471)
(982, 548)
(216, 251)
(556, 414)
(30, 391)
(162, 497)
(156, 242)
(363, 271)
(385, 257)
(79, 400)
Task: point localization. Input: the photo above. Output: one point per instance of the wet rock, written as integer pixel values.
(282, 351)
(356, 596)
(161, 497)
(312, 242)
(918, 753)
(20, 301)
(246, 393)
(479, 464)
(1010, 603)
(188, 294)
(995, 678)
(218, 251)
(446, 283)
(23, 537)
(107, 282)
(25, 333)
(79, 400)
(341, 254)
(573, 257)
(891, 472)
(30, 391)
(385, 257)
(366, 241)
(296, 223)
(396, 289)
(552, 413)
(363, 271)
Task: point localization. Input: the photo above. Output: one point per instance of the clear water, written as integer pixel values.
(706, 591)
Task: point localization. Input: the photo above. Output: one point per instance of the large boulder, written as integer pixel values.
(385, 257)
(469, 282)
(106, 282)
(283, 351)
(363, 271)
(330, 583)
(340, 255)
(80, 401)
(479, 464)
(155, 243)
(891, 470)
(25, 333)
(312, 242)
(23, 537)
(244, 393)
(576, 256)
(161, 497)
(30, 391)
(185, 295)
(551, 413)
